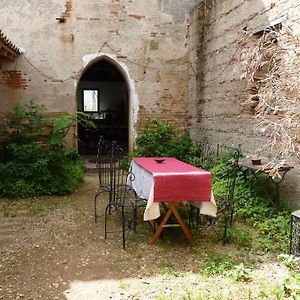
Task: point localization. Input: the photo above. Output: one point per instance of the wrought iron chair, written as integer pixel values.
(104, 161)
(295, 233)
(206, 154)
(124, 201)
(225, 202)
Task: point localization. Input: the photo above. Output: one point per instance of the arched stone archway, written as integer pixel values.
(107, 94)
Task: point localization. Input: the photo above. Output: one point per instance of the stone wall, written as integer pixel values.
(216, 90)
(146, 39)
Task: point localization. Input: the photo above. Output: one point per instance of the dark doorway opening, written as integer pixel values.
(102, 94)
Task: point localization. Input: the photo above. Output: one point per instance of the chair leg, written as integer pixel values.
(226, 225)
(134, 218)
(110, 199)
(191, 216)
(194, 213)
(107, 209)
(231, 213)
(123, 227)
(95, 205)
(95, 209)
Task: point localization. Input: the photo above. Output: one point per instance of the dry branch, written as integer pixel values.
(272, 70)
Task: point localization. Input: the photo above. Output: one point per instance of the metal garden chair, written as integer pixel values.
(104, 163)
(225, 202)
(124, 201)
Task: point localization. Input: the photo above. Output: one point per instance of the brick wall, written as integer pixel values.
(147, 37)
(217, 94)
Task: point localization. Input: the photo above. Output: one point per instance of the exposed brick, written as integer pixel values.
(114, 13)
(68, 6)
(67, 38)
(14, 79)
(138, 17)
(66, 14)
(81, 18)
(115, 31)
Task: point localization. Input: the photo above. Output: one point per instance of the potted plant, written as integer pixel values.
(255, 159)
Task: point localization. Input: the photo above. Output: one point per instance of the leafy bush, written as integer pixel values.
(161, 139)
(255, 208)
(29, 164)
(25, 123)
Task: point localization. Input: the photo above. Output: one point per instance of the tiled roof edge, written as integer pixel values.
(8, 43)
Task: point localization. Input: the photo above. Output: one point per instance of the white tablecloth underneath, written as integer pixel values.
(143, 185)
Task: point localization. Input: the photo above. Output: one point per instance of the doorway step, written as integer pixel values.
(90, 163)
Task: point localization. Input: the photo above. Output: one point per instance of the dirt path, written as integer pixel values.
(51, 248)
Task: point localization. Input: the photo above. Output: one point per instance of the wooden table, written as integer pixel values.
(246, 164)
(169, 182)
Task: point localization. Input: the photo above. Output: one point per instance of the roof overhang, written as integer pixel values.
(7, 48)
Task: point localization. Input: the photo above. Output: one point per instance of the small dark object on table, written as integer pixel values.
(159, 159)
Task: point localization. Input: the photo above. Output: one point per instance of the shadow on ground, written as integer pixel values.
(51, 248)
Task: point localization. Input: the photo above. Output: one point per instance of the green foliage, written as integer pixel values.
(25, 123)
(289, 261)
(239, 236)
(32, 171)
(161, 139)
(203, 155)
(221, 265)
(254, 208)
(62, 125)
(29, 166)
(217, 264)
(289, 288)
(239, 273)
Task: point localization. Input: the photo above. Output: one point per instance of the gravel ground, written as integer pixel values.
(51, 248)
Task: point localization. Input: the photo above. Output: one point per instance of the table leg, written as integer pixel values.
(171, 210)
(181, 223)
(277, 195)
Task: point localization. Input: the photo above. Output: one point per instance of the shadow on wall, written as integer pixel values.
(171, 7)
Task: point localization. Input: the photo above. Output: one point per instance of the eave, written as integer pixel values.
(7, 48)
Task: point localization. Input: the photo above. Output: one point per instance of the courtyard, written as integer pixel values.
(51, 248)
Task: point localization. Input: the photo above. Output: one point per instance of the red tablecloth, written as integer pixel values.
(175, 180)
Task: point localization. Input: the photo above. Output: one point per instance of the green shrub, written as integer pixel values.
(254, 208)
(30, 165)
(161, 139)
(32, 171)
(25, 123)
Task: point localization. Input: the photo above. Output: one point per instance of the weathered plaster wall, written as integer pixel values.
(147, 37)
(216, 90)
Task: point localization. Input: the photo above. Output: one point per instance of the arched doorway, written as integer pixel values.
(102, 94)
